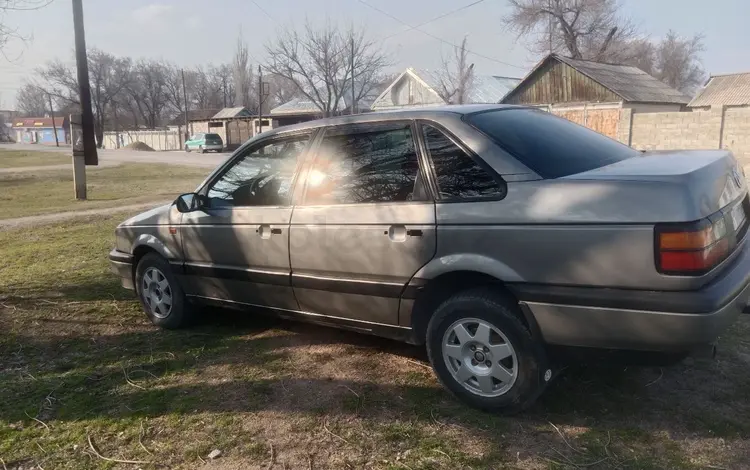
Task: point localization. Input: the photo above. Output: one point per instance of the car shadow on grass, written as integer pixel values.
(235, 362)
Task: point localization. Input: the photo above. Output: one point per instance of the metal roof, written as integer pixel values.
(297, 106)
(485, 88)
(38, 122)
(630, 83)
(193, 115)
(229, 113)
(730, 89)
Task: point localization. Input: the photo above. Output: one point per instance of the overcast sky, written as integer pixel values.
(189, 32)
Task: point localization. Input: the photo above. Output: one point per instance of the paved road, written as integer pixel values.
(177, 157)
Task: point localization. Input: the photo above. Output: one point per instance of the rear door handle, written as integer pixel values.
(276, 231)
(414, 233)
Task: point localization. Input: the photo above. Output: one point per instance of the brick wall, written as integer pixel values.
(736, 136)
(603, 119)
(676, 130)
(708, 129)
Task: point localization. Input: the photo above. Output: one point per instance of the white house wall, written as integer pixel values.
(408, 92)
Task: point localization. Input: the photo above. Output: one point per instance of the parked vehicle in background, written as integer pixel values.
(487, 233)
(203, 143)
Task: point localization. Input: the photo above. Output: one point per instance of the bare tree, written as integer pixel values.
(677, 61)
(31, 100)
(319, 63)
(8, 33)
(147, 91)
(109, 77)
(244, 86)
(456, 77)
(282, 90)
(222, 79)
(582, 29)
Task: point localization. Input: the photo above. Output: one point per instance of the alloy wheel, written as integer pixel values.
(157, 293)
(480, 357)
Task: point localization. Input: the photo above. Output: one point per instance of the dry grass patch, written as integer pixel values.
(78, 360)
(10, 158)
(47, 192)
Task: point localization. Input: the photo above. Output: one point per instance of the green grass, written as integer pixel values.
(77, 354)
(22, 158)
(46, 192)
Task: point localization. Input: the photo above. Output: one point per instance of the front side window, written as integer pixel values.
(459, 176)
(261, 177)
(365, 164)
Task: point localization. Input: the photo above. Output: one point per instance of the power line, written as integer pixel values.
(438, 38)
(264, 11)
(434, 19)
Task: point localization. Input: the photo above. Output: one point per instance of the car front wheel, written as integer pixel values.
(483, 353)
(161, 296)
(187, 149)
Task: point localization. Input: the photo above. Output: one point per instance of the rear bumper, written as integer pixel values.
(213, 147)
(122, 264)
(639, 320)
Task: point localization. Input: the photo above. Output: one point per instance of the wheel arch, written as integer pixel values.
(147, 243)
(445, 277)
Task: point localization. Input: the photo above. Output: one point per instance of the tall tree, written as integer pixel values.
(147, 91)
(31, 100)
(677, 61)
(109, 76)
(319, 63)
(456, 77)
(596, 30)
(581, 29)
(244, 86)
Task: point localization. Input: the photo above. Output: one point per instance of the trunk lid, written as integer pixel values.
(713, 178)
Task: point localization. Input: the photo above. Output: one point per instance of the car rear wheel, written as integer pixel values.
(483, 353)
(161, 296)
(200, 149)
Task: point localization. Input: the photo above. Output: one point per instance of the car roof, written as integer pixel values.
(392, 115)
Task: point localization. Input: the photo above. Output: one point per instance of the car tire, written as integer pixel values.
(483, 353)
(200, 149)
(187, 149)
(161, 296)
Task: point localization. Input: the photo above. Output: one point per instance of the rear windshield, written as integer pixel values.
(551, 146)
(213, 136)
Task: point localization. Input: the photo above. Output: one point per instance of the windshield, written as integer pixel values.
(551, 146)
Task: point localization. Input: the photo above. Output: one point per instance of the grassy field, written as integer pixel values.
(20, 158)
(84, 377)
(45, 192)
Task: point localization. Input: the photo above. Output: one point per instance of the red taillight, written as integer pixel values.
(691, 249)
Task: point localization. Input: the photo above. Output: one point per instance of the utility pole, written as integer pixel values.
(352, 64)
(84, 154)
(260, 99)
(52, 113)
(184, 98)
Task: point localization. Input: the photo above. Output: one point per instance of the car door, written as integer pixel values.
(236, 248)
(365, 224)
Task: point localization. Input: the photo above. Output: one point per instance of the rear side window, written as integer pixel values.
(459, 177)
(364, 164)
(551, 146)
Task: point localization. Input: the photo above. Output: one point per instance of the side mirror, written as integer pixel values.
(189, 202)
